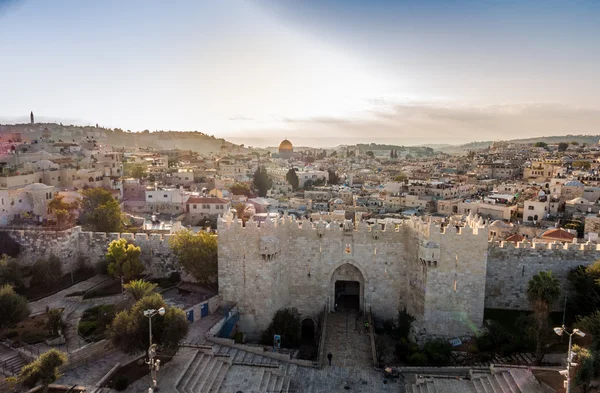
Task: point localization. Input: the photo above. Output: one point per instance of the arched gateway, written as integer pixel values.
(348, 287)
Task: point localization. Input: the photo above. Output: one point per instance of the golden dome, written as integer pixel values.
(286, 146)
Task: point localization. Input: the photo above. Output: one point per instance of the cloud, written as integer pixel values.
(421, 123)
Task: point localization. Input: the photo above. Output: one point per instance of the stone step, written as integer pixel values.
(478, 386)
(216, 385)
(279, 385)
(511, 382)
(494, 384)
(264, 382)
(210, 376)
(188, 372)
(197, 373)
(501, 382)
(272, 382)
(239, 356)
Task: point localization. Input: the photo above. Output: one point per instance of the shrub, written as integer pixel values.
(12, 333)
(286, 323)
(175, 277)
(32, 337)
(402, 350)
(441, 347)
(418, 359)
(485, 343)
(238, 338)
(46, 272)
(13, 307)
(54, 322)
(121, 383)
(87, 328)
(43, 370)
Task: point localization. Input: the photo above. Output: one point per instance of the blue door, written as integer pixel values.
(204, 310)
(190, 316)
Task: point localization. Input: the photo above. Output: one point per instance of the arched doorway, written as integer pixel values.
(348, 288)
(308, 331)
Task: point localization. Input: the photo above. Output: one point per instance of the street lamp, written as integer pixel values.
(559, 331)
(153, 364)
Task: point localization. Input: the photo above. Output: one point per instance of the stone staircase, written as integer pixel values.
(203, 374)
(244, 358)
(505, 381)
(347, 341)
(11, 364)
(273, 382)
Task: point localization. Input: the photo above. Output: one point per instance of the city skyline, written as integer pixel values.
(321, 74)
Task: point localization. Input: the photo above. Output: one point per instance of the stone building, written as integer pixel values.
(437, 274)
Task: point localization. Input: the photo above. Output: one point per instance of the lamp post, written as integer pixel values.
(559, 331)
(153, 364)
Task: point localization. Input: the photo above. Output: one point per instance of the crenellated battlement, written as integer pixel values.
(557, 246)
(474, 226)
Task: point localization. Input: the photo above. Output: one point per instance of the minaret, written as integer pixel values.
(31, 117)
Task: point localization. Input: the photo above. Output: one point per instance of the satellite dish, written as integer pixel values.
(541, 193)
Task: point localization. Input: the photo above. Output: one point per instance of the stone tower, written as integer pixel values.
(31, 117)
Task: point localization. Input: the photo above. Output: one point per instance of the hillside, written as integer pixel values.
(587, 139)
(185, 140)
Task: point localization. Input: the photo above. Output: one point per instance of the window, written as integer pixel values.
(149, 196)
(165, 196)
(530, 207)
(194, 206)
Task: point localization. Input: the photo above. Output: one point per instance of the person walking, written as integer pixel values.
(329, 357)
(367, 327)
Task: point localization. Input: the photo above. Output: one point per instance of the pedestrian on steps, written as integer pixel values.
(329, 357)
(367, 327)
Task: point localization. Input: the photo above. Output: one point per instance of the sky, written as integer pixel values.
(321, 73)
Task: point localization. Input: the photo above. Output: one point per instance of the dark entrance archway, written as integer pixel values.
(347, 295)
(308, 331)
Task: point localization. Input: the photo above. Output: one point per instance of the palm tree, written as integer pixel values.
(243, 211)
(543, 290)
(139, 288)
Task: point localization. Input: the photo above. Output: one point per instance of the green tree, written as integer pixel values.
(591, 325)
(46, 272)
(584, 293)
(292, 177)
(54, 322)
(262, 181)
(63, 212)
(286, 323)
(541, 144)
(139, 288)
(562, 146)
(370, 154)
(240, 189)
(10, 273)
(124, 259)
(542, 291)
(582, 164)
(401, 178)
(138, 171)
(242, 211)
(197, 253)
(586, 369)
(129, 330)
(100, 210)
(43, 370)
(333, 177)
(13, 307)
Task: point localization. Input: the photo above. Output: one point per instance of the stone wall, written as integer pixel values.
(71, 244)
(292, 263)
(510, 266)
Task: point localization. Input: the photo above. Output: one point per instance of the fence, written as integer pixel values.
(372, 336)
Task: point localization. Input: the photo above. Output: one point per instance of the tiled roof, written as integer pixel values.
(200, 200)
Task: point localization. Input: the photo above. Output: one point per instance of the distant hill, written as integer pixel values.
(184, 140)
(587, 139)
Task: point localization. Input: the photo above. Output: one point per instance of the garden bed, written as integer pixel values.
(66, 281)
(133, 371)
(94, 321)
(33, 330)
(109, 288)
